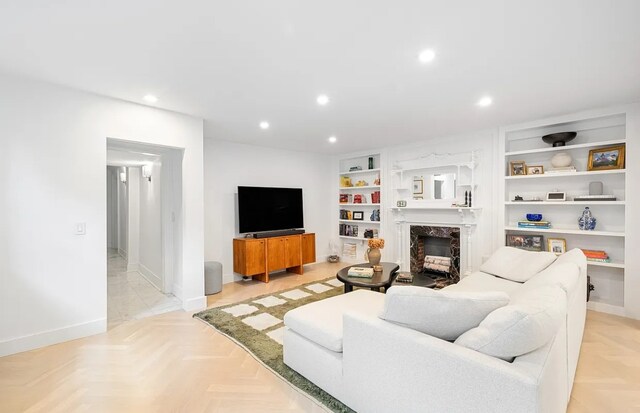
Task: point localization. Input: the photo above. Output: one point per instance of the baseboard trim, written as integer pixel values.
(47, 338)
(177, 291)
(606, 308)
(154, 279)
(194, 304)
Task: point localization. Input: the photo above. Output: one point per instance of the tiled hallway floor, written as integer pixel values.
(130, 296)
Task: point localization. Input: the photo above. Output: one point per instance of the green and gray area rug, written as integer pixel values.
(257, 325)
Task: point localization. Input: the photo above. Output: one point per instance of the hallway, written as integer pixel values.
(130, 296)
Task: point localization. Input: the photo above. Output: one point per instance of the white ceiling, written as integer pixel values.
(236, 63)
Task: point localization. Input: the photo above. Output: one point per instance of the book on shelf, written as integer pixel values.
(375, 197)
(534, 224)
(599, 259)
(346, 198)
(562, 170)
(595, 254)
(360, 272)
(348, 230)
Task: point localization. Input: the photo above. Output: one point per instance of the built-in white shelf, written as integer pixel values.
(362, 171)
(565, 203)
(351, 188)
(567, 174)
(567, 231)
(438, 208)
(353, 238)
(360, 221)
(569, 147)
(606, 264)
(369, 204)
(595, 130)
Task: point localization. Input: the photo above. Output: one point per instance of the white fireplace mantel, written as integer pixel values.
(458, 217)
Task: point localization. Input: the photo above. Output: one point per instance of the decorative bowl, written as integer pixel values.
(534, 217)
(559, 139)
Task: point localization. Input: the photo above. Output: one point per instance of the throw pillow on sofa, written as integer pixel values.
(562, 274)
(528, 323)
(516, 264)
(442, 314)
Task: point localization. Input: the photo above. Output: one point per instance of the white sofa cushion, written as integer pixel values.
(482, 282)
(528, 323)
(562, 274)
(575, 256)
(442, 314)
(321, 321)
(516, 264)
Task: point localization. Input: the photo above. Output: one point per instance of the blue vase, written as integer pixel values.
(587, 222)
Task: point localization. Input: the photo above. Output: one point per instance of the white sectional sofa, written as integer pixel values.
(375, 365)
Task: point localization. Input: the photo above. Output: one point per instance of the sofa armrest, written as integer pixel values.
(426, 374)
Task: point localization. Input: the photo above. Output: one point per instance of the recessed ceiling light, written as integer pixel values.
(427, 56)
(150, 98)
(485, 101)
(264, 125)
(333, 139)
(322, 100)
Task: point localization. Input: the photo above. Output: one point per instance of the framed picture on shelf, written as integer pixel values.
(418, 185)
(611, 157)
(535, 170)
(526, 242)
(517, 168)
(557, 245)
(358, 215)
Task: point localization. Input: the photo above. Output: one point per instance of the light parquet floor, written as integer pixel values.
(174, 363)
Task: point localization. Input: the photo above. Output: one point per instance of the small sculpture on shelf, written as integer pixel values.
(361, 183)
(375, 215)
(587, 222)
(345, 182)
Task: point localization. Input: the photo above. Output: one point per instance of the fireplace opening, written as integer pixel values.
(437, 255)
(435, 251)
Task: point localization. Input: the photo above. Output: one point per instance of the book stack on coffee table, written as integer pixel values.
(360, 272)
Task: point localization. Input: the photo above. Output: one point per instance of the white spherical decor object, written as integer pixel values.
(561, 160)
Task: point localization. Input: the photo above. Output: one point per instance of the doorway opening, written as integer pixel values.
(144, 231)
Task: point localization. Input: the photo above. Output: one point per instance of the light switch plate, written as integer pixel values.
(81, 228)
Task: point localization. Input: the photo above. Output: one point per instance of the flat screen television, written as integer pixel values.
(269, 209)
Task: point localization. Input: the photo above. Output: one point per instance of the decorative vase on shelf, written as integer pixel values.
(561, 160)
(587, 222)
(373, 256)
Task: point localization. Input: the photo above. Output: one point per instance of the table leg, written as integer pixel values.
(348, 288)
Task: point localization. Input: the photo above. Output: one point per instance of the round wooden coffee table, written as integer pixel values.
(380, 279)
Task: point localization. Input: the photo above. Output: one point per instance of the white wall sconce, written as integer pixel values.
(146, 172)
(123, 177)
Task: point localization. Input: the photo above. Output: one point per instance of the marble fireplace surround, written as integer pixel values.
(418, 233)
(464, 220)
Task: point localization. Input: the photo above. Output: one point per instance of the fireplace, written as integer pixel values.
(435, 251)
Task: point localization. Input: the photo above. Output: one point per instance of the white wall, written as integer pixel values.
(133, 219)
(123, 213)
(150, 240)
(229, 165)
(53, 283)
(112, 207)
